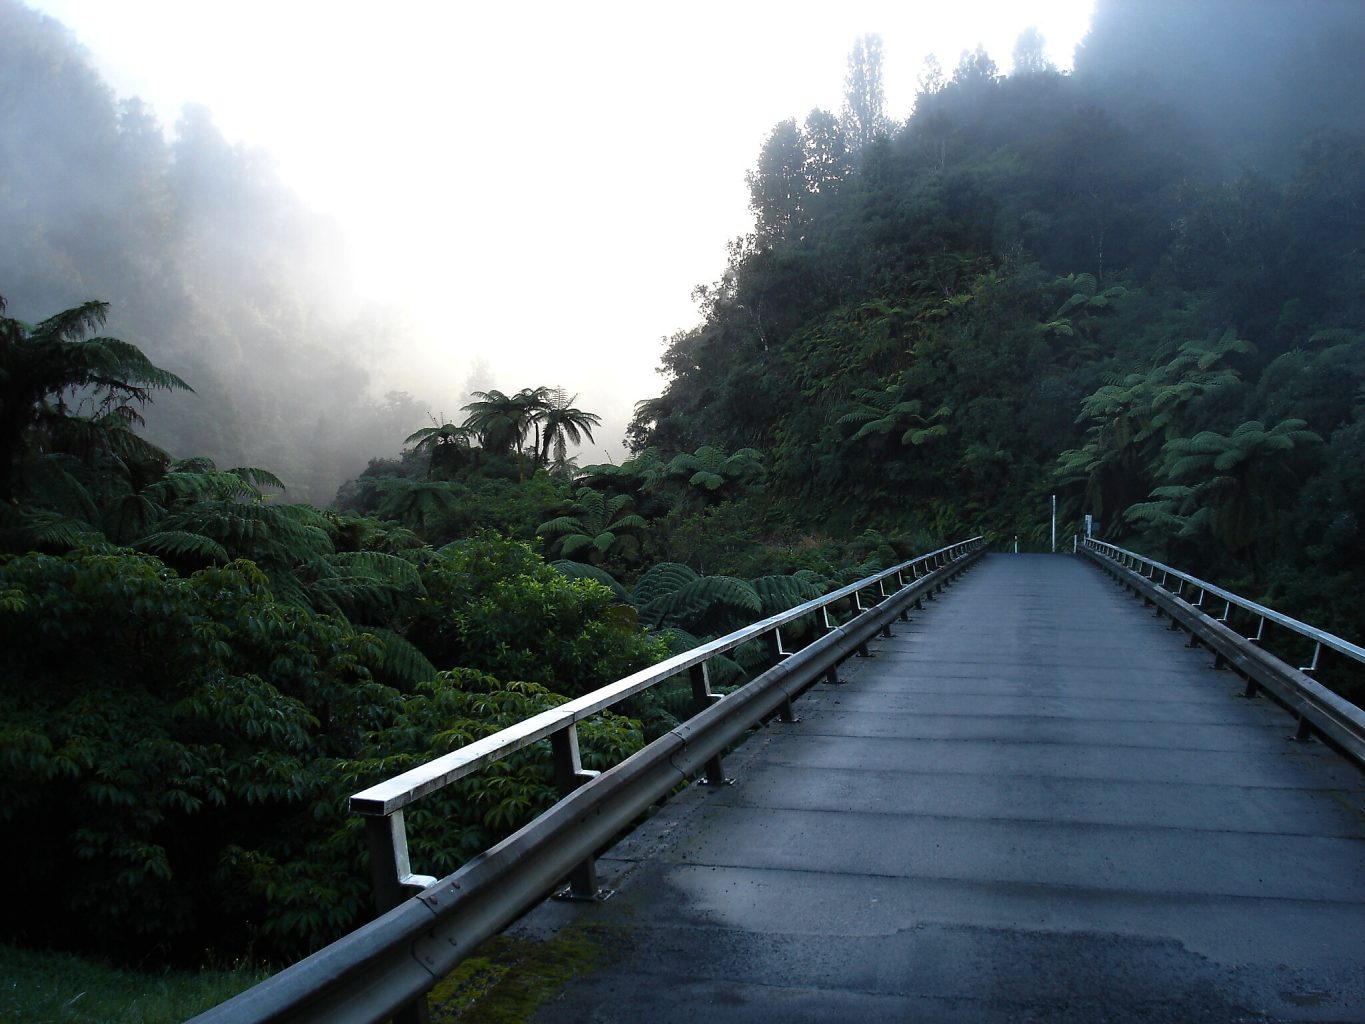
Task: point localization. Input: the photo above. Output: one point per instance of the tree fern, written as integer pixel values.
(181, 545)
(401, 662)
(41, 529)
(704, 601)
(778, 593)
(593, 524)
(660, 580)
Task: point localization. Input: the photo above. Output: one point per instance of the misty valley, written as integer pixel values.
(236, 587)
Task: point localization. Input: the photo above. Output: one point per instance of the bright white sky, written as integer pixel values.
(539, 185)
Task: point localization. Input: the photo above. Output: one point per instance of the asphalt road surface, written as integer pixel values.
(1033, 803)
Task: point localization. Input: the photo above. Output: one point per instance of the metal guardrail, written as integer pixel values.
(1318, 708)
(382, 805)
(381, 968)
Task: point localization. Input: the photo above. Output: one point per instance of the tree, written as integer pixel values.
(879, 413)
(827, 157)
(713, 474)
(975, 68)
(864, 115)
(562, 424)
(61, 391)
(592, 526)
(1029, 58)
(1232, 485)
(930, 80)
(499, 421)
(777, 186)
(1131, 418)
(443, 444)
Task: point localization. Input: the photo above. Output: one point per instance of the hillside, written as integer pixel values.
(1137, 286)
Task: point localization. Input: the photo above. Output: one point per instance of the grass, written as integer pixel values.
(59, 988)
(507, 980)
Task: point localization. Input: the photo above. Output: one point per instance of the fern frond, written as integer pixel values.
(401, 661)
(778, 593)
(660, 580)
(703, 598)
(182, 544)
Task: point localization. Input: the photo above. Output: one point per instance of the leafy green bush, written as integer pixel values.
(154, 722)
(177, 752)
(494, 605)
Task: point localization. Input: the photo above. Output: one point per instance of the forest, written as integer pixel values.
(1138, 285)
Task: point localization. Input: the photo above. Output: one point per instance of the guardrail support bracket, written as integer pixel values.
(703, 698)
(569, 775)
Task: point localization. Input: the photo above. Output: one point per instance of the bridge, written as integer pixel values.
(1035, 796)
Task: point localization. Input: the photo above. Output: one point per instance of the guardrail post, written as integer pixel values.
(831, 676)
(776, 652)
(569, 775)
(387, 838)
(1312, 666)
(777, 655)
(881, 590)
(703, 698)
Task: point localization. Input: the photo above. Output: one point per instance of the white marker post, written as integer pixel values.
(1054, 524)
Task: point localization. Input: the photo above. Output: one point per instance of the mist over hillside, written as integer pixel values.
(1252, 79)
(1137, 287)
(211, 266)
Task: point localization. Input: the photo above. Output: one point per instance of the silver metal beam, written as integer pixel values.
(379, 969)
(1318, 708)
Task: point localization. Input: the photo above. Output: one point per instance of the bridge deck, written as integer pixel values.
(1034, 802)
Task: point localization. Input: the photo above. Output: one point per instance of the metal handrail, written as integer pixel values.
(395, 793)
(382, 804)
(1149, 567)
(379, 970)
(1319, 710)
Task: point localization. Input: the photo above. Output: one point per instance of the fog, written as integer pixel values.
(1249, 79)
(357, 219)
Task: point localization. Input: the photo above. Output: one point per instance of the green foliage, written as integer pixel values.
(699, 602)
(202, 723)
(192, 774)
(878, 413)
(494, 605)
(1026, 289)
(507, 980)
(1231, 486)
(593, 525)
(63, 392)
(444, 445)
(503, 424)
(578, 570)
(713, 475)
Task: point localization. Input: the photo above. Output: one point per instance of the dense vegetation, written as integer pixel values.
(1082, 284)
(1144, 297)
(217, 670)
